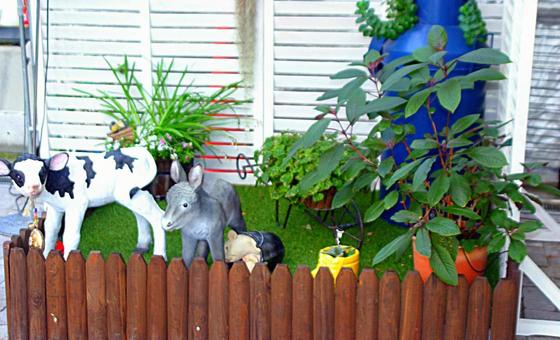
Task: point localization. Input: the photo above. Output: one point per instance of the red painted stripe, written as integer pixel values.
(229, 171)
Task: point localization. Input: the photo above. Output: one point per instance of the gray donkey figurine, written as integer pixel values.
(201, 208)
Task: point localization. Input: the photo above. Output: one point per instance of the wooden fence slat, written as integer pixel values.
(198, 299)
(56, 296)
(36, 295)
(16, 241)
(6, 249)
(157, 298)
(177, 299)
(76, 296)
(367, 301)
(411, 307)
(115, 291)
(345, 305)
(24, 236)
(136, 276)
(302, 304)
(281, 303)
(435, 294)
(389, 306)
(323, 305)
(96, 296)
(478, 311)
(217, 298)
(456, 310)
(18, 298)
(504, 309)
(259, 311)
(239, 292)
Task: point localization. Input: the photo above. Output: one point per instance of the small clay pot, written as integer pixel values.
(469, 264)
(324, 204)
(162, 182)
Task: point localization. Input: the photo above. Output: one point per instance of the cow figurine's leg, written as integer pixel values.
(74, 216)
(52, 227)
(144, 234)
(143, 204)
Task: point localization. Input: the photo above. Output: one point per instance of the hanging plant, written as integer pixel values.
(401, 16)
(245, 15)
(472, 24)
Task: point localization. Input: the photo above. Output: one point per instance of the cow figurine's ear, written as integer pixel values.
(196, 176)
(177, 172)
(5, 167)
(58, 161)
(231, 235)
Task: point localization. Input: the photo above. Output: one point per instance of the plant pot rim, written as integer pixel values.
(460, 246)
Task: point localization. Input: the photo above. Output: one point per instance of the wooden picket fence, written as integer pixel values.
(98, 299)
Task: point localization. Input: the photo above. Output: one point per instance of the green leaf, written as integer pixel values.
(383, 104)
(497, 243)
(422, 54)
(416, 101)
(329, 94)
(437, 38)
(399, 74)
(460, 190)
(342, 196)
(401, 172)
(349, 73)
(488, 156)
(548, 189)
(464, 123)
(385, 166)
(422, 173)
(392, 247)
(374, 211)
(347, 90)
(443, 265)
(487, 56)
(327, 164)
(355, 105)
(313, 134)
(459, 211)
(530, 226)
(485, 74)
(443, 226)
(517, 250)
(391, 199)
(449, 94)
(364, 180)
(438, 189)
(424, 144)
(405, 216)
(423, 242)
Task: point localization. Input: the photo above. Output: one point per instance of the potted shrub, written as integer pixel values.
(290, 180)
(172, 121)
(453, 189)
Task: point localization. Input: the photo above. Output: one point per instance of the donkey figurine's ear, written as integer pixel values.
(5, 167)
(196, 175)
(177, 173)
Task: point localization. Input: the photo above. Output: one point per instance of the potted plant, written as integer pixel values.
(290, 180)
(173, 121)
(453, 189)
(337, 257)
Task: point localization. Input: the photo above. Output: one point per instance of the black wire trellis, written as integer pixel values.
(346, 219)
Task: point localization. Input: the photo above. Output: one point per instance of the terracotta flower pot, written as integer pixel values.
(162, 182)
(470, 265)
(324, 204)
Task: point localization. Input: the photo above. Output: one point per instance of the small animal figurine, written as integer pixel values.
(69, 184)
(201, 208)
(253, 247)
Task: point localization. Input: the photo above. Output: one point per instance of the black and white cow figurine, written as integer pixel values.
(69, 184)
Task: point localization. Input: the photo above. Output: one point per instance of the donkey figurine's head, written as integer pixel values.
(183, 197)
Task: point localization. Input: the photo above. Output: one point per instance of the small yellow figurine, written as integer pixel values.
(36, 238)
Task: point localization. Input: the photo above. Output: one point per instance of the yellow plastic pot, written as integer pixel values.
(335, 264)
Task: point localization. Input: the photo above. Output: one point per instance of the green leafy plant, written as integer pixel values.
(401, 16)
(472, 24)
(291, 180)
(340, 251)
(169, 120)
(453, 189)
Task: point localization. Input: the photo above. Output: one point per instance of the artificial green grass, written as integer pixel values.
(113, 229)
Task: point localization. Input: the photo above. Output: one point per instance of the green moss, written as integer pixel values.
(113, 229)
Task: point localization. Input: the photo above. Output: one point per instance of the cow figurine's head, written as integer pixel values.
(29, 173)
(182, 198)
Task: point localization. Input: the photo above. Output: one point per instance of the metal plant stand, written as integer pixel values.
(346, 219)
